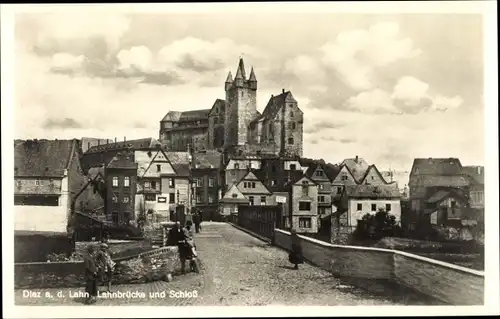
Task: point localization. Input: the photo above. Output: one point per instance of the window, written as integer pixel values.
(304, 222)
(344, 177)
(339, 189)
(305, 190)
(373, 177)
(453, 205)
(199, 182)
(263, 200)
(152, 198)
(242, 94)
(253, 184)
(171, 198)
(319, 173)
(236, 166)
(321, 210)
(199, 198)
(321, 199)
(273, 183)
(115, 181)
(387, 207)
(211, 182)
(114, 217)
(304, 205)
(171, 182)
(374, 207)
(291, 125)
(359, 206)
(321, 187)
(235, 195)
(147, 184)
(245, 185)
(126, 199)
(291, 113)
(290, 140)
(250, 200)
(37, 182)
(293, 167)
(158, 168)
(153, 185)
(126, 181)
(114, 199)
(210, 199)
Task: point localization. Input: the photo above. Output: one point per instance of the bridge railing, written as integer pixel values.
(259, 219)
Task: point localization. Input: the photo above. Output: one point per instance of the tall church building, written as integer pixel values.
(235, 125)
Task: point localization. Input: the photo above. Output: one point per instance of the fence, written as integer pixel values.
(259, 219)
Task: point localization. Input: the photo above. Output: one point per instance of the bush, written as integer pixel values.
(376, 226)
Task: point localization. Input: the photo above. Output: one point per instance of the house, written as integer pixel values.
(232, 199)
(373, 177)
(433, 173)
(358, 168)
(153, 185)
(318, 174)
(343, 178)
(207, 179)
(181, 191)
(446, 207)
(47, 174)
(254, 190)
(237, 167)
(121, 180)
(358, 200)
(303, 205)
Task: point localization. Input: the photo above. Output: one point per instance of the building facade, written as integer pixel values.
(303, 205)
(121, 181)
(207, 181)
(235, 123)
(47, 175)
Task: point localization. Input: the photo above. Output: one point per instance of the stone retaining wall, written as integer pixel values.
(443, 281)
(70, 274)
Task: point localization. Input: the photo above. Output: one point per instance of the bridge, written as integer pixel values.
(239, 269)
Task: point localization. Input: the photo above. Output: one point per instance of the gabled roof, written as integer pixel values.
(443, 194)
(275, 103)
(182, 170)
(228, 196)
(143, 143)
(357, 166)
(436, 166)
(294, 181)
(38, 158)
(312, 168)
(372, 191)
(476, 174)
(207, 159)
(256, 176)
(332, 170)
(122, 160)
(220, 104)
(376, 170)
(178, 157)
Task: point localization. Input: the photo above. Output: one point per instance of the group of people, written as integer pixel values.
(99, 267)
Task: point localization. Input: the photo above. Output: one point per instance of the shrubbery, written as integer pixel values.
(376, 226)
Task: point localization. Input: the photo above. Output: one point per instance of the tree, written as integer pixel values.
(376, 226)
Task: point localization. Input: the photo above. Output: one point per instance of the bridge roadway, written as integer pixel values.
(240, 270)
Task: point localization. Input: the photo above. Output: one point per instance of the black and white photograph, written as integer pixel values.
(262, 155)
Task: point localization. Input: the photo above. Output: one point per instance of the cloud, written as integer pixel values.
(374, 101)
(61, 123)
(443, 103)
(356, 54)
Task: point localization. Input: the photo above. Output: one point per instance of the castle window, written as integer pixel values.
(290, 140)
(291, 113)
(291, 125)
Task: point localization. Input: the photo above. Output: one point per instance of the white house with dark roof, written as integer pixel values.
(47, 175)
(357, 200)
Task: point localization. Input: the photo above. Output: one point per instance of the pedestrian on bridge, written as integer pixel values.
(89, 261)
(295, 257)
(197, 222)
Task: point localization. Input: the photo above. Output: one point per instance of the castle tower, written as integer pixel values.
(241, 106)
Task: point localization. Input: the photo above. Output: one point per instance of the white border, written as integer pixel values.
(488, 8)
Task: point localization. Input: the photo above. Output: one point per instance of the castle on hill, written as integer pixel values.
(236, 124)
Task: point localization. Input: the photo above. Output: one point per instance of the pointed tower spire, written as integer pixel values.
(241, 68)
(252, 80)
(239, 74)
(229, 78)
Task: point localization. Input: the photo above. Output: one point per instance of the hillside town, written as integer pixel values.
(216, 160)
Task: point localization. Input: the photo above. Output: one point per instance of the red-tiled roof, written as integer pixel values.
(372, 191)
(36, 158)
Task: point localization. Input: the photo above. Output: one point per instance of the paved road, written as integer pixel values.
(240, 270)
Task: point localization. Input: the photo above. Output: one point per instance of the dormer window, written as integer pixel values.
(236, 166)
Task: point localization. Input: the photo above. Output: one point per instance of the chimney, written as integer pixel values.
(88, 145)
(283, 91)
(107, 140)
(115, 140)
(124, 138)
(356, 159)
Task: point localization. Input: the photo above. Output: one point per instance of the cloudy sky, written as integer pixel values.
(388, 88)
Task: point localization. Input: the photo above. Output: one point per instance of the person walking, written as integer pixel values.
(90, 275)
(197, 222)
(295, 257)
